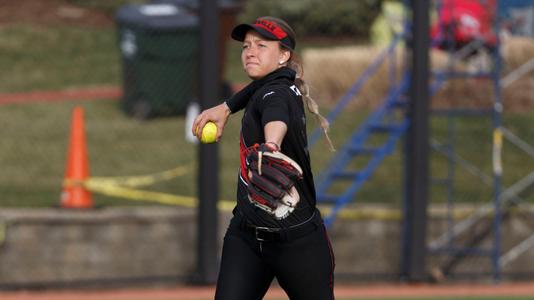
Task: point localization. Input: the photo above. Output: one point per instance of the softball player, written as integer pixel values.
(276, 231)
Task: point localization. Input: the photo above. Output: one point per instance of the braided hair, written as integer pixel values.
(295, 63)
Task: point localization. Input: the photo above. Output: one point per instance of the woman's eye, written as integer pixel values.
(263, 45)
(245, 46)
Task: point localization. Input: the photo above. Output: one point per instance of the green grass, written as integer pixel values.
(34, 137)
(34, 144)
(105, 5)
(59, 57)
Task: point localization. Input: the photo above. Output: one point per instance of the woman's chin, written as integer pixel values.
(252, 74)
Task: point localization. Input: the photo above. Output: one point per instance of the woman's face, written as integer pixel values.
(260, 56)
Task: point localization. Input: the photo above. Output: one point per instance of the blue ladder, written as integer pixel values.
(384, 122)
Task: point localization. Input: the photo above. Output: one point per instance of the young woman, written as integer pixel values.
(261, 242)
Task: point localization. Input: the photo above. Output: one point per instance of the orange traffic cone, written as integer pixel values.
(74, 194)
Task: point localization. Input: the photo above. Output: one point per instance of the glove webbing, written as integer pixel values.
(260, 197)
(272, 174)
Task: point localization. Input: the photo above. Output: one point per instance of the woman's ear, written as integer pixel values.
(284, 56)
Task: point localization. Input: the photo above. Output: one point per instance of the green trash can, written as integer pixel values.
(158, 45)
(228, 11)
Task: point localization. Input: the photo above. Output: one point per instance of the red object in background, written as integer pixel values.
(74, 194)
(464, 21)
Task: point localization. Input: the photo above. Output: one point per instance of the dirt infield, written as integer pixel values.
(91, 93)
(342, 291)
(87, 93)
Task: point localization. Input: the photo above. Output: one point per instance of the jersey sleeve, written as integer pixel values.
(239, 101)
(274, 106)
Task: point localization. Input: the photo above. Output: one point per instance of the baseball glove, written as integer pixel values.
(272, 176)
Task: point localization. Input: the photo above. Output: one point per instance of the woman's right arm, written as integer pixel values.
(219, 114)
(240, 99)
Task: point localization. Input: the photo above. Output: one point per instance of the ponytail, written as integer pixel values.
(313, 108)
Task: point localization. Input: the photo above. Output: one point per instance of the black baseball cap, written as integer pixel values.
(270, 28)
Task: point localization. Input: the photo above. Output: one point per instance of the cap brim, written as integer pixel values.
(240, 31)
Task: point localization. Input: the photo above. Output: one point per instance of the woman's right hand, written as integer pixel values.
(218, 114)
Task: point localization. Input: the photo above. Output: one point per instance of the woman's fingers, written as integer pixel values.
(198, 124)
(220, 128)
(218, 114)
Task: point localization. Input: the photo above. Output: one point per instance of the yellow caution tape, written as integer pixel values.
(158, 197)
(138, 181)
(224, 205)
(125, 187)
(139, 195)
(347, 213)
(3, 233)
(361, 214)
(497, 152)
(497, 137)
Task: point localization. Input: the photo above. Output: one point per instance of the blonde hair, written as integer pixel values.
(295, 64)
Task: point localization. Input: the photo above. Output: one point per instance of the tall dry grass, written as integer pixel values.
(330, 73)
(518, 96)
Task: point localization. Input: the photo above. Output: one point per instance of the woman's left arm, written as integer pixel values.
(275, 132)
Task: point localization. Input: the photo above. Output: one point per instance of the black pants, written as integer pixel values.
(303, 265)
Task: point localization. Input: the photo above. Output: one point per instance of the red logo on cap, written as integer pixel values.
(272, 28)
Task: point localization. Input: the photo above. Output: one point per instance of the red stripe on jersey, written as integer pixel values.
(243, 152)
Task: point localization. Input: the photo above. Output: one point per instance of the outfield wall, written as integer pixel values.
(156, 245)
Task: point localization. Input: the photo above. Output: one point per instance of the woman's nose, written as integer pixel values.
(251, 51)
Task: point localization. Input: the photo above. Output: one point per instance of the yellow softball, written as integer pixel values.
(209, 133)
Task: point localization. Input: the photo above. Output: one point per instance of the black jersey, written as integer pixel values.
(276, 98)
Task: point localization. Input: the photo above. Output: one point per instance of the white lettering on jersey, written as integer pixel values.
(269, 93)
(295, 90)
